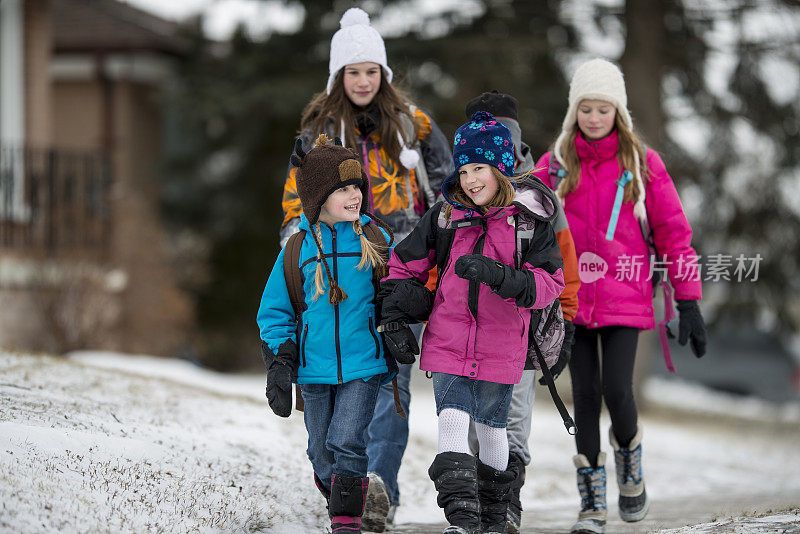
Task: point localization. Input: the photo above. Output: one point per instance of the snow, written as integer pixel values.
(102, 441)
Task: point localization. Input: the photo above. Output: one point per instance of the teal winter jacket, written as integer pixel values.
(335, 344)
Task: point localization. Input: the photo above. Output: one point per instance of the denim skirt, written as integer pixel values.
(485, 402)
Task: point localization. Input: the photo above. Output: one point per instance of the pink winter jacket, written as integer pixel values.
(492, 344)
(619, 296)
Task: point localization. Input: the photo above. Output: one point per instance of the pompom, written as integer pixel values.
(409, 158)
(322, 140)
(482, 116)
(354, 16)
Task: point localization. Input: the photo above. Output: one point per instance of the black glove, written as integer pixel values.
(400, 341)
(405, 300)
(565, 354)
(479, 268)
(691, 326)
(279, 389)
(279, 376)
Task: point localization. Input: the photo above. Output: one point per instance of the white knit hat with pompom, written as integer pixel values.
(356, 42)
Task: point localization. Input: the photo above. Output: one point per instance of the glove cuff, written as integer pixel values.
(391, 326)
(686, 305)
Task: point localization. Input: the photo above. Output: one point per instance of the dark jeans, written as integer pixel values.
(388, 432)
(336, 418)
(591, 384)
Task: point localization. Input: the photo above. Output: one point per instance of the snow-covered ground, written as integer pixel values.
(100, 442)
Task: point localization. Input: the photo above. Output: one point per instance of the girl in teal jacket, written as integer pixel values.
(331, 347)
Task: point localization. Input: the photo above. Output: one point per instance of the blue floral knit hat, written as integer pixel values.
(482, 140)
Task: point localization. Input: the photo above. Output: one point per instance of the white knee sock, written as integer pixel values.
(453, 431)
(493, 446)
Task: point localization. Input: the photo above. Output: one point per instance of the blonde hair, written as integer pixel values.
(502, 198)
(390, 100)
(631, 153)
(373, 256)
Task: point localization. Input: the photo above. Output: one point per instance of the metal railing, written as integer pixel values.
(54, 200)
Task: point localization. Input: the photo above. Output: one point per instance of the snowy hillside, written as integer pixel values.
(103, 442)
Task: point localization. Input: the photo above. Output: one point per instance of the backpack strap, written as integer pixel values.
(294, 284)
(548, 378)
(292, 274)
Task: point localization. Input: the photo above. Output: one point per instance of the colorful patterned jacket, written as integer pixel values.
(397, 196)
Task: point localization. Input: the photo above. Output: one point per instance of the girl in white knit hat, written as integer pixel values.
(406, 158)
(614, 191)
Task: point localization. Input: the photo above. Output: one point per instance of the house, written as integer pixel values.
(85, 260)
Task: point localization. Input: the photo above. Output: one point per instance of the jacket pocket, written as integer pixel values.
(303, 345)
(375, 338)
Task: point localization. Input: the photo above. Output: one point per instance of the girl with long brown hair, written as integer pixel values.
(406, 157)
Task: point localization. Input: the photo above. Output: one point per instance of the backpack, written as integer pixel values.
(294, 285)
(558, 173)
(546, 331)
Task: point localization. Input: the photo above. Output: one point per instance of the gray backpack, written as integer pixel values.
(547, 324)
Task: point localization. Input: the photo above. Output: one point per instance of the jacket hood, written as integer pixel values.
(538, 200)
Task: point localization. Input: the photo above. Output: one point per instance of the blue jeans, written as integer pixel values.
(388, 432)
(337, 417)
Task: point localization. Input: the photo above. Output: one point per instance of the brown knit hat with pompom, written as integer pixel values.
(324, 169)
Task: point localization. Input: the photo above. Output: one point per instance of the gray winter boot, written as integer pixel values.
(592, 487)
(377, 506)
(633, 500)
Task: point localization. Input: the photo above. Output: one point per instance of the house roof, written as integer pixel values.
(110, 25)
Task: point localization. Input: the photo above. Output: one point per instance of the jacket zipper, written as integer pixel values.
(374, 337)
(336, 310)
(303, 345)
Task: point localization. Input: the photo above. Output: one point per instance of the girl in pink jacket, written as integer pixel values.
(612, 188)
(498, 259)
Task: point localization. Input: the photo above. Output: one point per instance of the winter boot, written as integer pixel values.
(325, 493)
(592, 487)
(377, 507)
(494, 492)
(514, 515)
(347, 503)
(455, 477)
(633, 500)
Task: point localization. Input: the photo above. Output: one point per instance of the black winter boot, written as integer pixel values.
(494, 492)
(347, 503)
(514, 515)
(323, 490)
(455, 477)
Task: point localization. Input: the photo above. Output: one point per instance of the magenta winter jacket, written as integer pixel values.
(491, 345)
(620, 296)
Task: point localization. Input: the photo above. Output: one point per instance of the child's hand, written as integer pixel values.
(400, 341)
(691, 326)
(479, 268)
(279, 389)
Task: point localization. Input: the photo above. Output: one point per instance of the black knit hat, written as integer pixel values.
(324, 169)
(494, 102)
